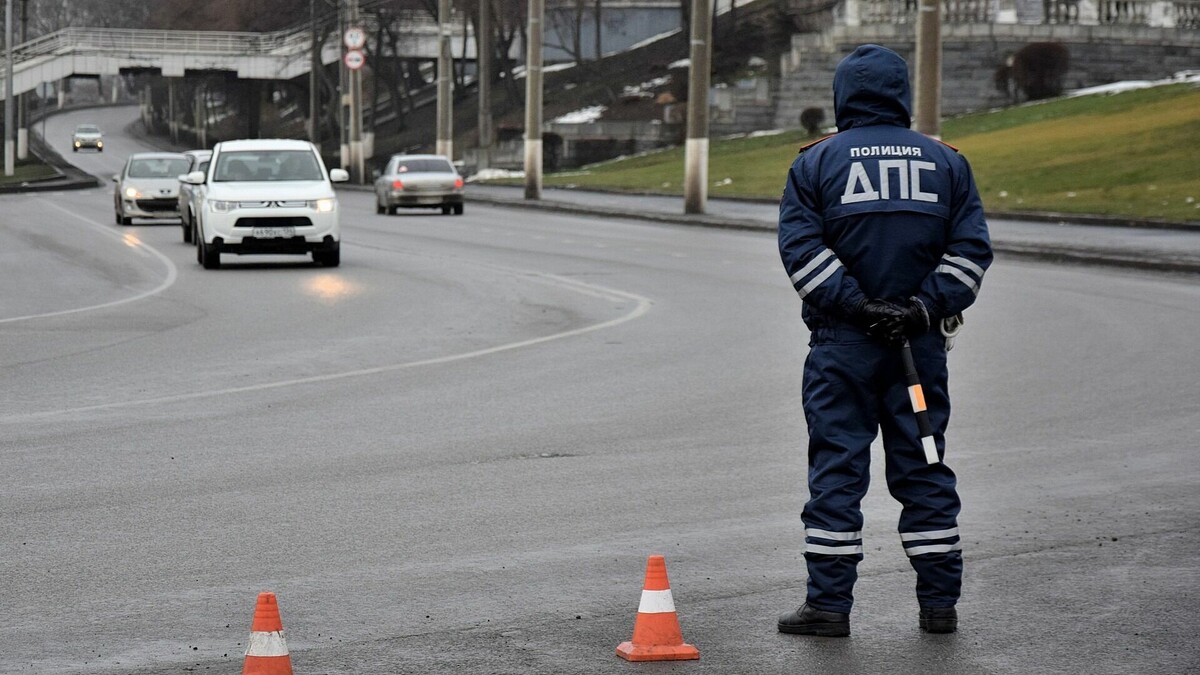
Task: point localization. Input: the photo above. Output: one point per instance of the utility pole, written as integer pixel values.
(445, 122)
(483, 73)
(357, 161)
(314, 105)
(342, 97)
(695, 170)
(533, 101)
(9, 161)
(928, 104)
(23, 100)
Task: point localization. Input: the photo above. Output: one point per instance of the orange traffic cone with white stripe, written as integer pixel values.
(656, 633)
(267, 653)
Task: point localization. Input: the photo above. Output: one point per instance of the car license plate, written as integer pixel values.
(274, 232)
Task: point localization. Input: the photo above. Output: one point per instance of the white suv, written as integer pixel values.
(266, 196)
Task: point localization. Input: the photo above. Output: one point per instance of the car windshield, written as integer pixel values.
(157, 167)
(87, 130)
(423, 166)
(267, 165)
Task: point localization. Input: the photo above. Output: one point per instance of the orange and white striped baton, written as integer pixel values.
(916, 396)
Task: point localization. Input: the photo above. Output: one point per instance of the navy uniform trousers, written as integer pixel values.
(852, 389)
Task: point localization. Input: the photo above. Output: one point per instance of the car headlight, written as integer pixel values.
(99, 144)
(132, 193)
(323, 205)
(220, 206)
(77, 144)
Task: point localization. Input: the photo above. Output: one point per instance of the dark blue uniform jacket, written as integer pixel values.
(879, 210)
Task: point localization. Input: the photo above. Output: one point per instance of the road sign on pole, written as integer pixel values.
(355, 37)
(354, 59)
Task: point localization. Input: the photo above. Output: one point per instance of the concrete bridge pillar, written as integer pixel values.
(172, 115)
(252, 106)
(62, 93)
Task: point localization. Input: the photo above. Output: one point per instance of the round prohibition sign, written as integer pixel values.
(355, 37)
(354, 59)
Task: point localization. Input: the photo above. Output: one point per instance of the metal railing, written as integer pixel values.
(1183, 14)
(201, 43)
(905, 11)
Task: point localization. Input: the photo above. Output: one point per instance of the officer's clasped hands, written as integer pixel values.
(889, 322)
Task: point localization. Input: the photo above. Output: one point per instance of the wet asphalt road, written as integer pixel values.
(454, 453)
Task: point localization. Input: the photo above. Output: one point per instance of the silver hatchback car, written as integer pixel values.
(148, 186)
(419, 181)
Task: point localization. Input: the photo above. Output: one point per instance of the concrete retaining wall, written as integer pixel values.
(972, 53)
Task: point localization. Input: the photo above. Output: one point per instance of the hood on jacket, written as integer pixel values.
(870, 86)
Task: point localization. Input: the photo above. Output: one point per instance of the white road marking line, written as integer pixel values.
(128, 240)
(641, 307)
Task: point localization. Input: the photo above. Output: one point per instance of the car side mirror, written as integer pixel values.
(376, 173)
(193, 178)
(116, 178)
(339, 175)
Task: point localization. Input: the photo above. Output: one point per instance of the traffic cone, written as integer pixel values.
(656, 634)
(267, 652)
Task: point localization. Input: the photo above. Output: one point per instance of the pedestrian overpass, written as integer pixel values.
(279, 55)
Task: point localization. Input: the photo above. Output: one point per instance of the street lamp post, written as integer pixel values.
(9, 160)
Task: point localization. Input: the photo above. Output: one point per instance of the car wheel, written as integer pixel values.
(99, 149)
(117, 217)
(329, 258)
(74, 149)
(187, 231)
(380, 209)
(393, 210)
(458, 209)
(210, 256)
(446, 210)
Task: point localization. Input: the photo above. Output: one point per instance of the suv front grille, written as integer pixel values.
(288, 221)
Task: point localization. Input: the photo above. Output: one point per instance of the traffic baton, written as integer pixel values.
(916, 396)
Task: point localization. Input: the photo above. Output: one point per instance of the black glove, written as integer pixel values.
(916, 318)
(880, 318)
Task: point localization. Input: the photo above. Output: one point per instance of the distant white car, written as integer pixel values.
(87, 136)
(419, 181)
(266, 196)
(148, 186)
(197, 161)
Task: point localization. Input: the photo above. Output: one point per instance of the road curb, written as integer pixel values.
(1080, 255)
(1036, 216)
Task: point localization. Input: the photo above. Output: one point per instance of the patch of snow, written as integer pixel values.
(493, 174)
(1130, 85)
(644, 88)
(765, 132)
(583, 116)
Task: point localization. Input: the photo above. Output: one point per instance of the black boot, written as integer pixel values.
(939, 619)
(812, 621)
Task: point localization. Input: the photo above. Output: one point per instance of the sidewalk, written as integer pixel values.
(1163, 247)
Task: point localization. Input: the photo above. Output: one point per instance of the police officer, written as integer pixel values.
(882, 233)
